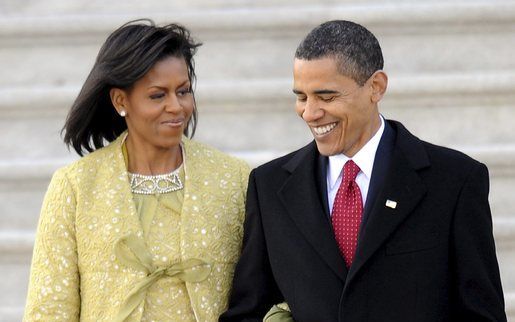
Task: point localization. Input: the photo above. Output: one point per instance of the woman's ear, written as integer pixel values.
(118, 99)
(379, 83)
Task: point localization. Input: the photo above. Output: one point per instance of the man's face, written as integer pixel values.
(341, 114)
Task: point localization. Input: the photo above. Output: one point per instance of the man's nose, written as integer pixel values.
(312, 111)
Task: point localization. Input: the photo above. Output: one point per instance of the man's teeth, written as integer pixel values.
(320, 130)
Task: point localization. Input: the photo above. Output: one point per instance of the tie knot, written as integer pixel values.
(350, 171)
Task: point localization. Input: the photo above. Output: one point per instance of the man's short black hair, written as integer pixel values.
(355, 48)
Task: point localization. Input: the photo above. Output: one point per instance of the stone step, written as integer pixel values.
(437, 107)
(254, 16)
(509, 299)
(52, 7)
(451, 82)
(10, 314)
(455, 89)
(16, 249)
(458, 37)
(23, 182)
(16, 245)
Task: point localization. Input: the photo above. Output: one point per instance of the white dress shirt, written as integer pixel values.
(364, 159)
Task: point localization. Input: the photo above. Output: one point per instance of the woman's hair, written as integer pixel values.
(125, 57)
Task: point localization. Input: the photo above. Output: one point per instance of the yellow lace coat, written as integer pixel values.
(75, 274)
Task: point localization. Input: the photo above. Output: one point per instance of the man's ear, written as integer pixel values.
(378, 83)
(118, 99)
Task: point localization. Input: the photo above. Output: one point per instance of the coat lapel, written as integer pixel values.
(402, 185)
(118, 188)
(300, 196)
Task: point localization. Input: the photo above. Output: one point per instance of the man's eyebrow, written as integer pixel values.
(318, 92)
(326, 91)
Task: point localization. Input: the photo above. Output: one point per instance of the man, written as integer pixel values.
(366, 223)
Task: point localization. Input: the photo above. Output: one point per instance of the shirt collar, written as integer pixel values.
(364, 158)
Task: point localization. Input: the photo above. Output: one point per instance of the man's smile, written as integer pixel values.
(324, 129)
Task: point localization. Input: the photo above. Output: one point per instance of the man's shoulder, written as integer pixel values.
(449, 158)
(439, 157)
(446, 153)
(436, 153)
(286, 161)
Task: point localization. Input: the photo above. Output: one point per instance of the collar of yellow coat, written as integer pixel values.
(189, 150)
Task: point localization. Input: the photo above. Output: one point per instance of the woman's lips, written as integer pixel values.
(173, 123)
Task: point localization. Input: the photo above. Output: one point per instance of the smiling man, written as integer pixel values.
(367, 222)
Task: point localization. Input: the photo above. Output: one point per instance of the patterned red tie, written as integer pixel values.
(346, 214)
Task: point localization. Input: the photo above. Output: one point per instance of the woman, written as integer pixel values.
(148, 227)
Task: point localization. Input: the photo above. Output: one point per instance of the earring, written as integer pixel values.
(123, 113)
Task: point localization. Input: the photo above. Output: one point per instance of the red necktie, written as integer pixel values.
(346, 214)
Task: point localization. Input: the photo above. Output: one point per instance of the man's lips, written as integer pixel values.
(324, 129)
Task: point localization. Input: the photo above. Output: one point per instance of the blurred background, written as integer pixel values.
(451, 74)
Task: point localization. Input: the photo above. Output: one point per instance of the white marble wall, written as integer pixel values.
(450, 64)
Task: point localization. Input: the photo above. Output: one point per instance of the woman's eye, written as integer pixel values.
(183, 92)
(157, 96)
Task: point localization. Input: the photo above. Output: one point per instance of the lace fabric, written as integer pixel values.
(89, 206)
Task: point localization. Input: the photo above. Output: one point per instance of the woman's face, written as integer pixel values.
(159, 105)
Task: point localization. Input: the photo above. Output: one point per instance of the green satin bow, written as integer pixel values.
(132, 252)
(279, 313)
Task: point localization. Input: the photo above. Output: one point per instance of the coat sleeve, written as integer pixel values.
(254, 289)
(53, 293)
(479, 295)
(244, 171)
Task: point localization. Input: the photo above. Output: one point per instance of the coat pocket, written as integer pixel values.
(410, 246)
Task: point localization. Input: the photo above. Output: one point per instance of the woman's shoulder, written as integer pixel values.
(201, 152)
(92, 162)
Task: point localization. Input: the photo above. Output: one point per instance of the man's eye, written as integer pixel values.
(328, 99)
(157, 96)
(301, 99)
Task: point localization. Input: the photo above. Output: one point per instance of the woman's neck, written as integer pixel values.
(151, 160)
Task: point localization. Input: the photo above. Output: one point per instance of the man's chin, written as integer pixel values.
(326, 150)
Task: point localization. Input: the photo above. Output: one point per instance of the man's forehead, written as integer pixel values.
(319, 75)
(326, 61)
